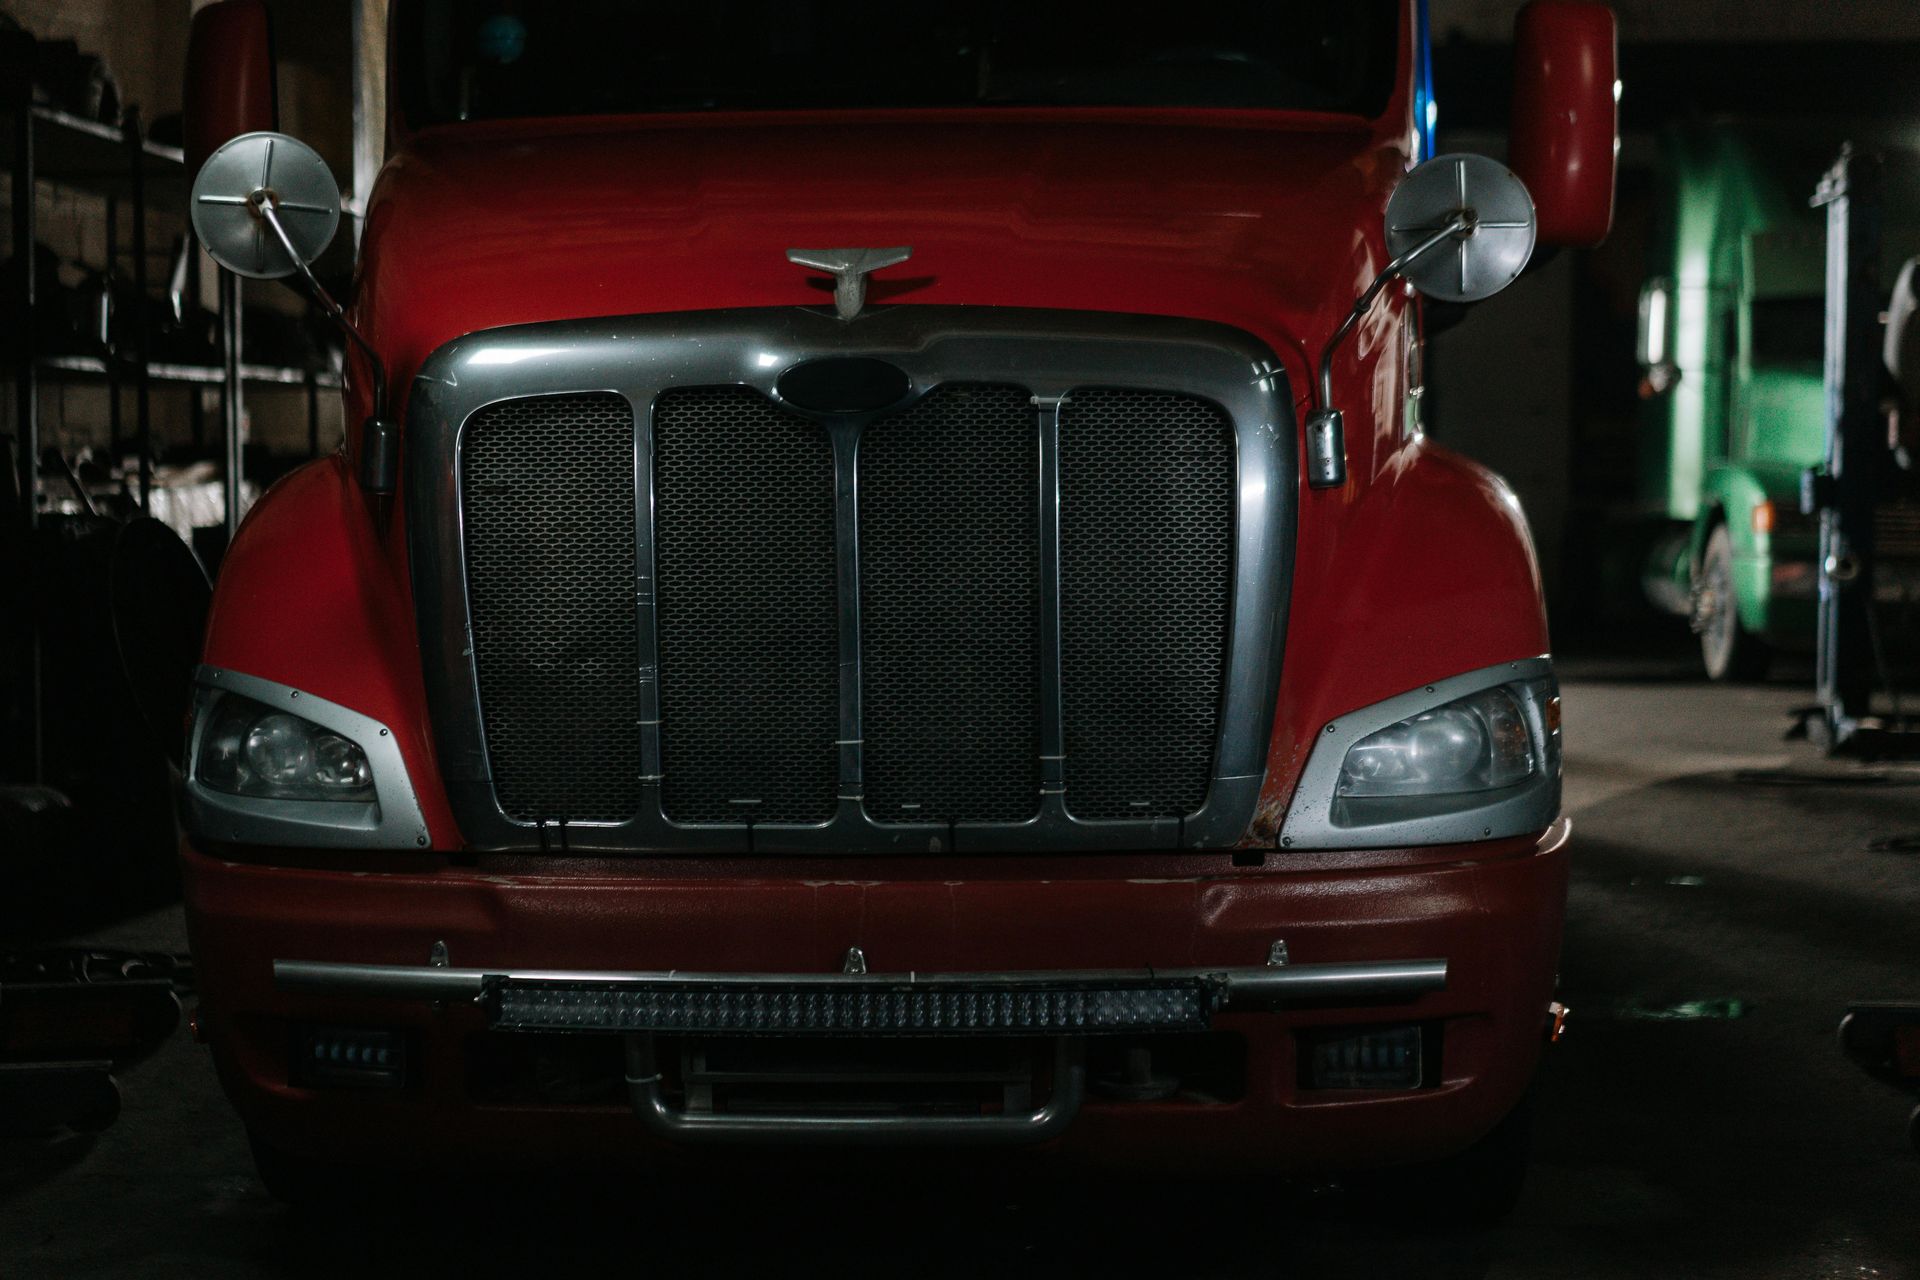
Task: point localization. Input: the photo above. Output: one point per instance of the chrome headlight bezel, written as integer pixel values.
(388, 819)
(1320, 818)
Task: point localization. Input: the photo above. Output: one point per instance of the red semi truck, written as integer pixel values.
(1025, 679)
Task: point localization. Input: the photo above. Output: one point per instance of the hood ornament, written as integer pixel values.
(849, 269)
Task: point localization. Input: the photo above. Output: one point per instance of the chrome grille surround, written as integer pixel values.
(1049, 354)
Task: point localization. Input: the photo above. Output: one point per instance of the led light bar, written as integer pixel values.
(865, 1009)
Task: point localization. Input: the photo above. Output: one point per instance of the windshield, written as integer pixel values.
(489, 59)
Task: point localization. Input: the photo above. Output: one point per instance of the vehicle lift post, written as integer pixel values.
(1856, 475)
(1882, 1037)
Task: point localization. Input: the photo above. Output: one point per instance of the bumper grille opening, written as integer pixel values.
(555, 1070)
(1146, 564)
(949, 576)
(747, 609)
(547, 484)
(1210, 1068)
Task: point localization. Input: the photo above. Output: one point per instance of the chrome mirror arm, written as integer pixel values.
(379, 438)
(263, 204)
(1326, 425)
(1461, 223)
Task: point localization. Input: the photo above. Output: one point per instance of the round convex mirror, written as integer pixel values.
(1479, 261)
(257, 168)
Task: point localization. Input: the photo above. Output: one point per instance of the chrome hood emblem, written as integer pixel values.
(849, 269)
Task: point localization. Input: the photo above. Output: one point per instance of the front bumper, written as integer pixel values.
(1063, 1007)
(598, 944)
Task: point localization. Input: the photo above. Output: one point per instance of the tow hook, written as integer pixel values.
(1557, 1014)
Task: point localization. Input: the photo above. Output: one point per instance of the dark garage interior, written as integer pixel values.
(1296, 652)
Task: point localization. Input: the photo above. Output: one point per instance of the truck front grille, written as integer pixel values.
(1038, 605)
(748, 632)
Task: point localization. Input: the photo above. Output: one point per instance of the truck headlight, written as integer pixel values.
(250, 749)
(1471, 757)
(1475, 743)
(269, 764)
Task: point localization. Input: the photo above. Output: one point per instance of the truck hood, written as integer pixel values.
(1269, 223)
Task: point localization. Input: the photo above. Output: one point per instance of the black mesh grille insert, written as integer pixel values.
(547, 487)
(949, 565)
(748, 641)
(1146, 555)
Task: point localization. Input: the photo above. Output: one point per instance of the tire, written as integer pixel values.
(1728, 650)
(1475, 1189)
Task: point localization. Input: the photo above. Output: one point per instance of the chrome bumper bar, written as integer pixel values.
(1224, 988)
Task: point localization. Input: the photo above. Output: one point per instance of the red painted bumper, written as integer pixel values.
(1493, 911)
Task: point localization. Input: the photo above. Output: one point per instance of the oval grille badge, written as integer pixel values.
(843, 384)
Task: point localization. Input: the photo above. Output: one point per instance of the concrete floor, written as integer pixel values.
(1718, 871)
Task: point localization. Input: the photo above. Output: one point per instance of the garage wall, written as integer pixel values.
(143, 41)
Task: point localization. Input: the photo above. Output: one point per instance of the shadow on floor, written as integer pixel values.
(920, 1228)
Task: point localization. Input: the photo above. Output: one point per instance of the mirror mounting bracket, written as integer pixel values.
(1326, 425)
(379, 437)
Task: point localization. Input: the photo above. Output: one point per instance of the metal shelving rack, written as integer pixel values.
(126, 169)
(118, 165)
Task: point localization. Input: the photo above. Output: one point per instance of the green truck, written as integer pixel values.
(1732, 321)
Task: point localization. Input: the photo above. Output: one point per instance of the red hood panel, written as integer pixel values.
(1271, 229)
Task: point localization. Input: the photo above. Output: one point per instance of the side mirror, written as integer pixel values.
(265, 206)
(230, 84)
(1460, 228)
(1566, 117)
